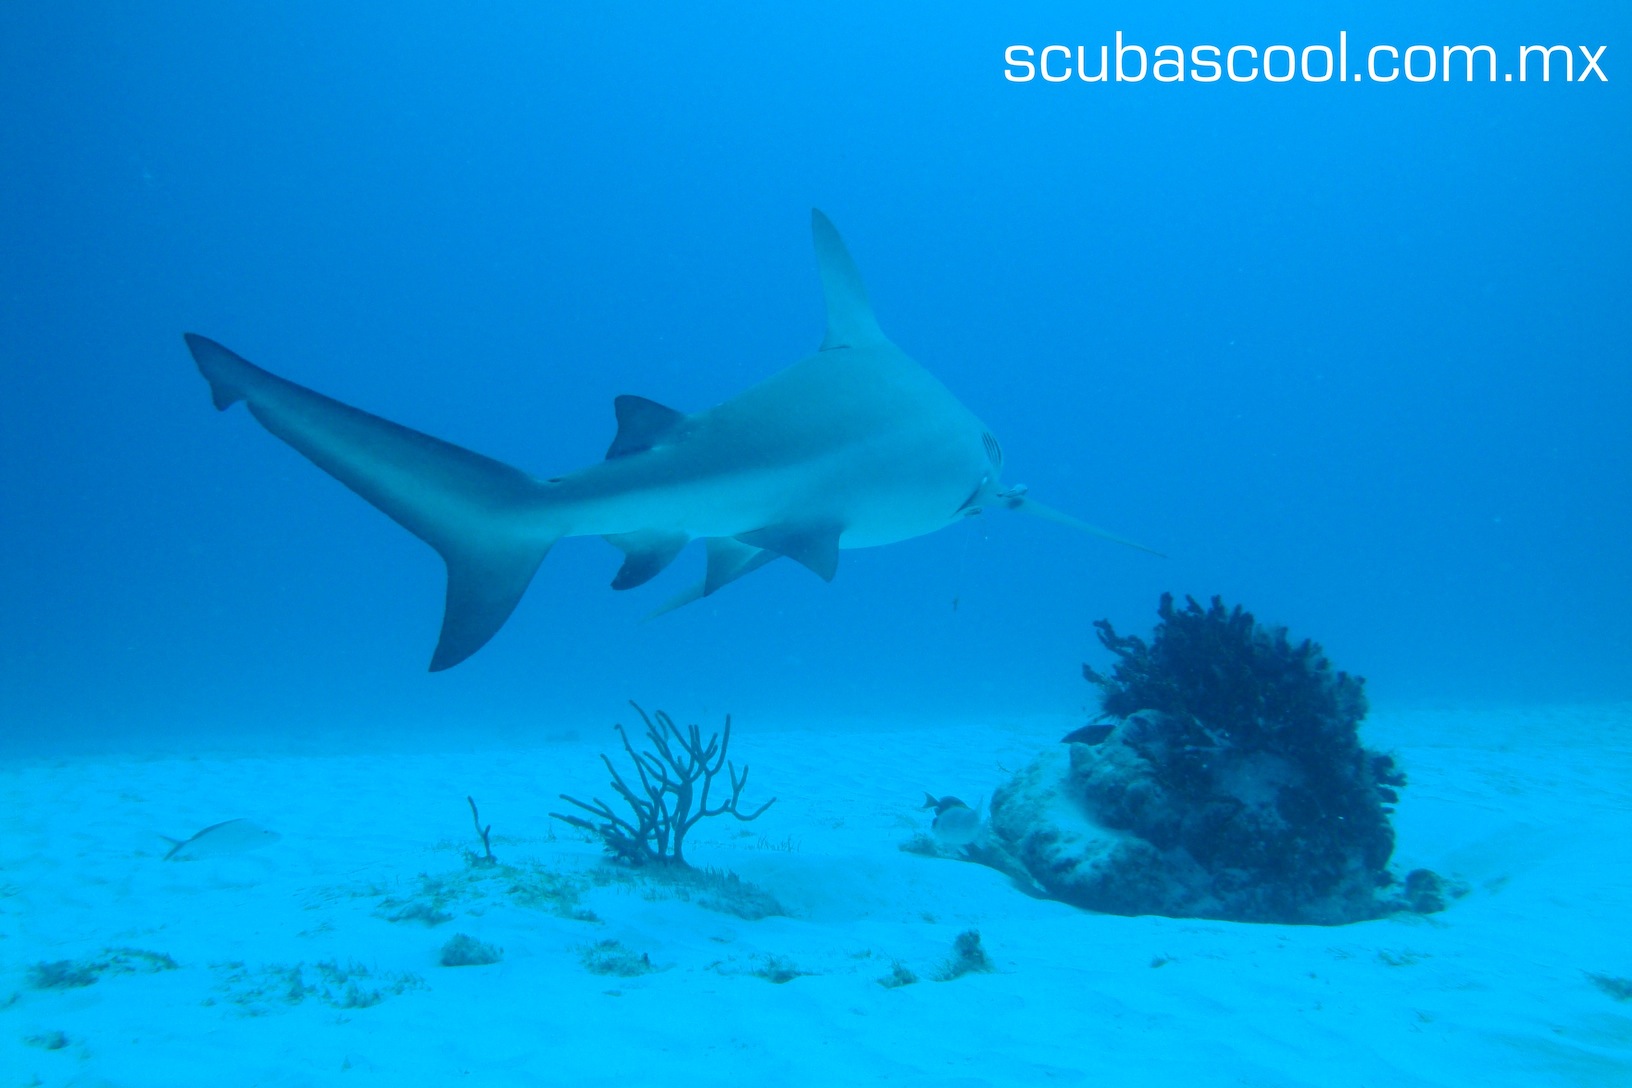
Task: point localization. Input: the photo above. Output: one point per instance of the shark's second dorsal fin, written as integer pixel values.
(850, 320)
(642, 424)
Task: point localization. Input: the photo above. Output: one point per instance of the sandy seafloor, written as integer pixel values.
(288, 970)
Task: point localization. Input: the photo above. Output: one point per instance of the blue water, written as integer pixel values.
(1352, 355)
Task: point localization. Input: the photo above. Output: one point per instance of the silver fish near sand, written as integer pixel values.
(955, 824)
(853, 447)
(220, 840)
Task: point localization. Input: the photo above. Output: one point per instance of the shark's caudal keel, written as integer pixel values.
(854, 446)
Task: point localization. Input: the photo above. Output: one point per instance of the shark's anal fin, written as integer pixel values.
(645, 555)
(475, 511)
(850, 320)
(642, 424)
(816, 546)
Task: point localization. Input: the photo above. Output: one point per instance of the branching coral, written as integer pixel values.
(670, 801)
(484, 860)
(1245, 684)
(1231, 784)
(1216, 696)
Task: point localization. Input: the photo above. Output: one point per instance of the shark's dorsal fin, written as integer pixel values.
(642, 424)
(850, 320)
(645, 555)
(816, 545)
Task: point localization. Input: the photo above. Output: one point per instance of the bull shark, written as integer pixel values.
(853, 447)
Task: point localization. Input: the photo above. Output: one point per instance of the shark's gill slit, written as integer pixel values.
(994, 452)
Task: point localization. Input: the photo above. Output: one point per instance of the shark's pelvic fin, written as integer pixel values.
(728, 560)
(850, 320)
(642, 424)
(645, 555)
(468, 507)
(816, 546)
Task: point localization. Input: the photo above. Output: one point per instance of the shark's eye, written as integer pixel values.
(994, 452)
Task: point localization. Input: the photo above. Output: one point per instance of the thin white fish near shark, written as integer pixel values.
(854, 446)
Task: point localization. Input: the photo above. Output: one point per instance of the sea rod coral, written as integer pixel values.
(670, 801)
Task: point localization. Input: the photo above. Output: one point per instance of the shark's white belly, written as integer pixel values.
(891, 500)
(863, 441)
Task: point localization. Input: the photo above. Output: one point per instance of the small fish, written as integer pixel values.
(1088, 734)
(956, 824)
(219, 840)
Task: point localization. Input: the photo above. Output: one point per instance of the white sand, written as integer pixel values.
(1532, 809)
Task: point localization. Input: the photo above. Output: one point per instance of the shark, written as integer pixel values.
(855, 446)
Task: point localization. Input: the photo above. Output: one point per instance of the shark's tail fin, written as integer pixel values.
(471, 509)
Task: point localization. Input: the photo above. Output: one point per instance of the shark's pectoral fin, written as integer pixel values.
(642, 424)
(850, 320)
(480, 514)
(645, 555)
(816, 546)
